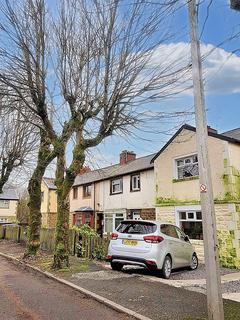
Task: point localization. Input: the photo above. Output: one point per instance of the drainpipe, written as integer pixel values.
(94, 207)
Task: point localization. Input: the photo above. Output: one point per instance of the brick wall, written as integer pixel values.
(148, 214)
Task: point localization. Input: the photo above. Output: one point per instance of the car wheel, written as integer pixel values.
(116, 266)
(194, 262)
(166, 268)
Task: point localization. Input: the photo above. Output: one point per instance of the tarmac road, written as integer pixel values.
(27, 296)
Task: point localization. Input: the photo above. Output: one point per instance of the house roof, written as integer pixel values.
(140, 164)
(50, 183)
(223, 136)
(235, 133)
(9, 194)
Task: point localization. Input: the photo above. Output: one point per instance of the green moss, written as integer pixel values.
(185, 179)
(160, 201)
(227, 253)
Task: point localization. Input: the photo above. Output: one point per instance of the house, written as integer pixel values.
(104, 197)
(8, 205)
(178, 191)
(48, 203)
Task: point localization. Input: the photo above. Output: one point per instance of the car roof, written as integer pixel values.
(157, 222)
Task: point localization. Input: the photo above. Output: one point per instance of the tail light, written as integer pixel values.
(114, 236)
(153, 239)
(109, 258)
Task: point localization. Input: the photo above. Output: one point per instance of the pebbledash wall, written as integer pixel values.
(48, 206)
(175, 195)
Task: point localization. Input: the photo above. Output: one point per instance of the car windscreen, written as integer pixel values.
(136, 227)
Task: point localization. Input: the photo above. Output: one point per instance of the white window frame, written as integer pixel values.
(186, 209)
(113, 216)
(4, 204)
(138, 181)
(175, 171)
(120, 185)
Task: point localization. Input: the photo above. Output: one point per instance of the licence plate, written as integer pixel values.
(130, 242)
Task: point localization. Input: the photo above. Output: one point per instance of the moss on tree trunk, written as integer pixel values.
(64, 182)
(45, 156)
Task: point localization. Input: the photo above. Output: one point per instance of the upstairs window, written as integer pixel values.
(4, 204)
(87, 191)
(116, 186)
(135, 182)
(75, 192)
(187, 167)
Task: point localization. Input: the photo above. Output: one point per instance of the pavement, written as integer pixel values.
(147, 294)
(28, 296)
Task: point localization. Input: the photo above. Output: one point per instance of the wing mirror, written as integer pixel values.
(186, 238)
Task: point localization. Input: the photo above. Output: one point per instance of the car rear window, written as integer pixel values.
(137, 227)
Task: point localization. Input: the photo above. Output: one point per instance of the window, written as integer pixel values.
(4, 204)
(136, 215)
(112, 221)
(191, 224)
(116, 186)
(137, 227)
(75, 192)
(87, 190)
(135, 182)
(187, 167)
(42, 196)
(169, 230)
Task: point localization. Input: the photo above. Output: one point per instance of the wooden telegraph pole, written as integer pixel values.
(214, 295)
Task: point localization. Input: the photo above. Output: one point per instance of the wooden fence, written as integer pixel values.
(85, 247)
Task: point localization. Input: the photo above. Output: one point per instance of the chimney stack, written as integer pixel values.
(212, 130)
(126, 156)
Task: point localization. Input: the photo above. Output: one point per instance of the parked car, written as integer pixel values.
(155, 245)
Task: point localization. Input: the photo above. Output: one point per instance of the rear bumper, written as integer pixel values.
(124, 260)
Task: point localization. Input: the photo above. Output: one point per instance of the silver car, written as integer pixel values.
(155, 245)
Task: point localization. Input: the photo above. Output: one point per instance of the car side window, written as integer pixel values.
(181, 235)
(169, 230)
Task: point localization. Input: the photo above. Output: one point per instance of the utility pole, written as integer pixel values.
(213, 280)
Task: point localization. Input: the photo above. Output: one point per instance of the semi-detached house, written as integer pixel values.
(178, 190)
(104, 197)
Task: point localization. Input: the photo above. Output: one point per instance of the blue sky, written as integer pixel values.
(222, 73)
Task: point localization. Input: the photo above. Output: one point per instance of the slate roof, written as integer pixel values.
(50, 183)
(140, 164)
(84, 209)
(9, 194)
(235, 133)
(222, 136)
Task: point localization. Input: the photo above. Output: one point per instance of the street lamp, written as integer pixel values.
(235, 4)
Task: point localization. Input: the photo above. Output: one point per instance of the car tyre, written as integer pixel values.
(116, 266)
(194, 262)
(166, 268)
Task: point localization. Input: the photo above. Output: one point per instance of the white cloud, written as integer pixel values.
(221, 68)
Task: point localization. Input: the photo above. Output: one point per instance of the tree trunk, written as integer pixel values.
(45, 156)
(64, 182)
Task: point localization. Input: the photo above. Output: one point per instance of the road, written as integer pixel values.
(27, 296)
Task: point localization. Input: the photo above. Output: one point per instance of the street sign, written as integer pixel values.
(203, 188)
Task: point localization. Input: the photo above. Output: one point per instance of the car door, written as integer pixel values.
(186, 247)
(173, 244)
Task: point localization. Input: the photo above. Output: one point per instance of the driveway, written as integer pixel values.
(27, 296)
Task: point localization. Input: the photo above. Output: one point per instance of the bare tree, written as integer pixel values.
(98, 62)
(18, 144)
